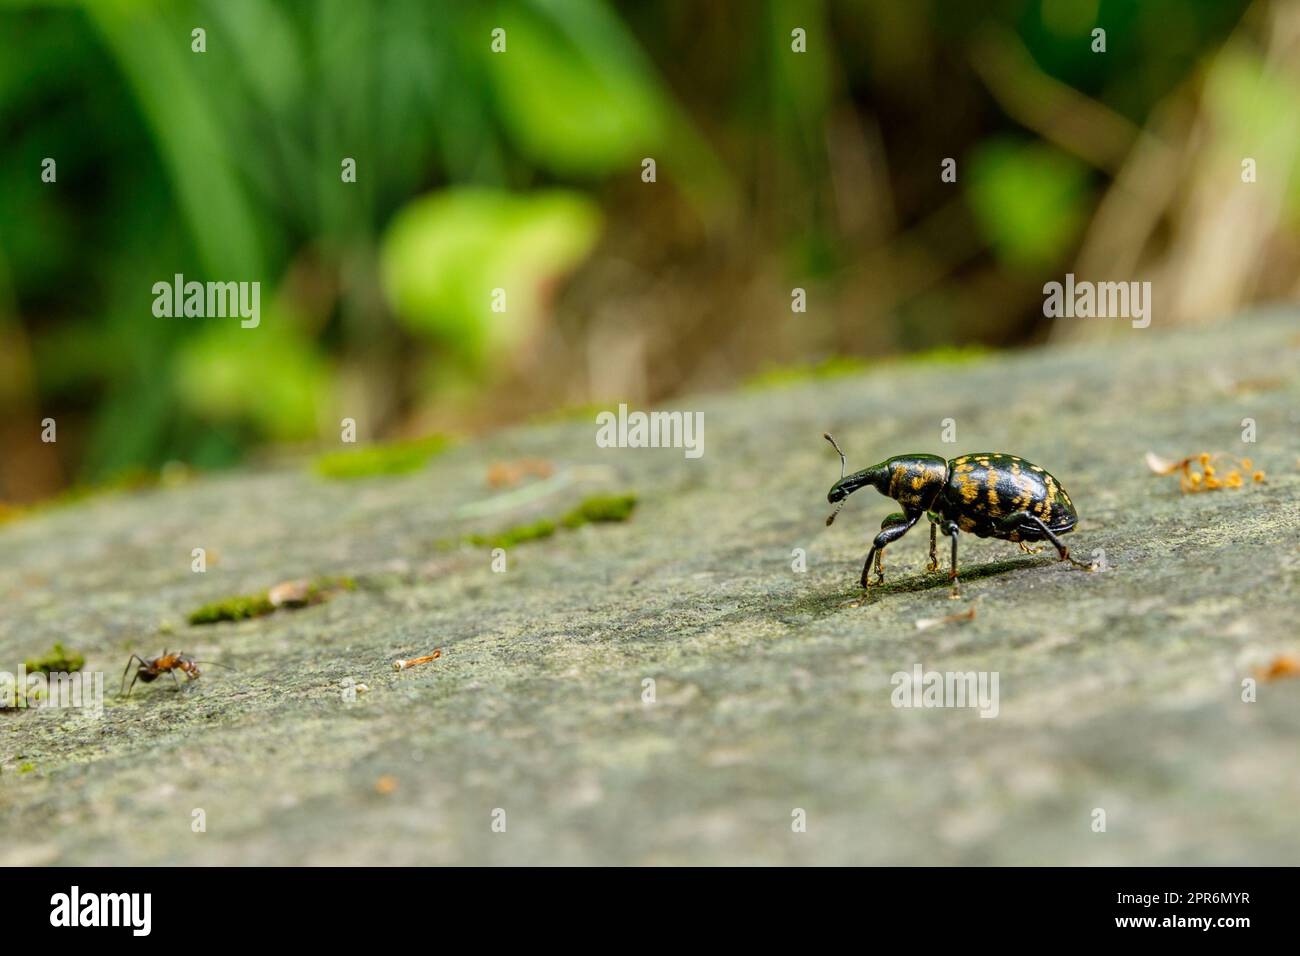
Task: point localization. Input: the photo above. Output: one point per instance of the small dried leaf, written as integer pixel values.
(926, 623)
(1285, 665)
(290, 594)
(1163, 466)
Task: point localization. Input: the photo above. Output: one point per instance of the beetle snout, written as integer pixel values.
(837, 493)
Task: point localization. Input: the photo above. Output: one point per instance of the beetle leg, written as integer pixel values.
(865, 580)
(891, 529)
(952, 530)
(1024, 517)
(1024, 546)
(934, 550)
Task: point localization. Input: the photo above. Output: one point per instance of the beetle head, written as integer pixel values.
(847, 484)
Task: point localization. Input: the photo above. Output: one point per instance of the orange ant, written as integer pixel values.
(150, 671)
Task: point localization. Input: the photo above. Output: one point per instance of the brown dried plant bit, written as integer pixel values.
(404, 665)
(1284, 665)
(385, 785)
(290, 594)
(504, 474)
(1208, 478)
(305, 592)
(926, 623)
(1163, 466)
(501, 474)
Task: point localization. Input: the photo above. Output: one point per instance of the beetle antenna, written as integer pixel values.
(843, 462)
(831, 517)
(843, 465)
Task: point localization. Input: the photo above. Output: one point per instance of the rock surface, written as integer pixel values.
(1119, 690)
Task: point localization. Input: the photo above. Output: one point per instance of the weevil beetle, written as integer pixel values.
(989, 495)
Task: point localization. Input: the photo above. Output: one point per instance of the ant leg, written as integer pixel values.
(1013, 521)
(891, 529)
(124, 691)
(952, 529)
(934, 552)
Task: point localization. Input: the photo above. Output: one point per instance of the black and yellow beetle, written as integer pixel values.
(989, 495)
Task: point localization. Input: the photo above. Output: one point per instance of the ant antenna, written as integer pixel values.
(843, 463)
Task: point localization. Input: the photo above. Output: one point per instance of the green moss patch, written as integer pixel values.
(59, 660)
(517, 535)
(237, 608)
(836, 366)
(391, 458)
(841, 366)
(594, 510)
(124, 482)
(600, 508)
(574, 413)
(291, 595)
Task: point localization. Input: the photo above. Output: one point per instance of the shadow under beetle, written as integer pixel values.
(987, 494)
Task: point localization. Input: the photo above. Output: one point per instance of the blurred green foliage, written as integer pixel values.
(444, 257)
(226, 165)
(1029, 199)
(777, 169)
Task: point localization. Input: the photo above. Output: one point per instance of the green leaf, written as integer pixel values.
(272, 377)
(1030, 201)
(444, 256)
(573, 92)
